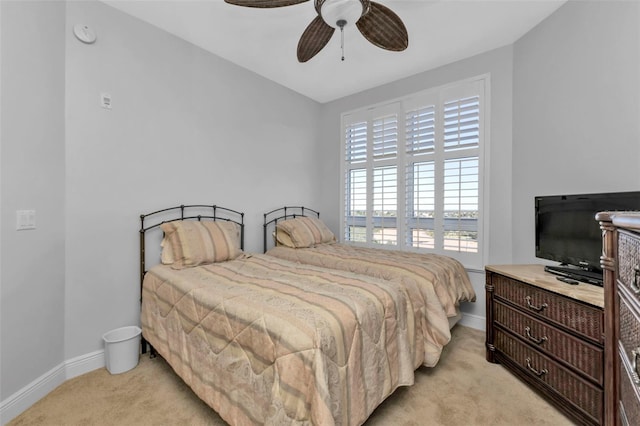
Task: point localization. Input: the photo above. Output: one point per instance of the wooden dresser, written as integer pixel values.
(549, 334)
(621, 263)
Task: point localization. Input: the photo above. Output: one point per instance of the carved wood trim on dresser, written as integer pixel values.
(621, 262)
(550, 335)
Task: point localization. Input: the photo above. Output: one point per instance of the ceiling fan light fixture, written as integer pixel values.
(377, 23)
(334, 11)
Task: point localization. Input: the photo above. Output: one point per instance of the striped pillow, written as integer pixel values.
(196, 243)
(304, 232)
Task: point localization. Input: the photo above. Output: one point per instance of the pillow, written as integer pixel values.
(303, 232)
(281, 238)
(196, 243)
(166, 253)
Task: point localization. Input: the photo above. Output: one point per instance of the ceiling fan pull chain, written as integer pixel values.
(341, 23)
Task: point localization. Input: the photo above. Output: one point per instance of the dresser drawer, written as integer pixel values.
(540, 368)
(629, 396)
(585, 357)
(629, 262)
(580, 318)
(629, 331)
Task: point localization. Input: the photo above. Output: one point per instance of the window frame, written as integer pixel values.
(475, 86)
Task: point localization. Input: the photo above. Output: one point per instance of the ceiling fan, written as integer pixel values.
(376, 22)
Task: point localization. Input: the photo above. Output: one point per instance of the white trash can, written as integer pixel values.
(122, 349)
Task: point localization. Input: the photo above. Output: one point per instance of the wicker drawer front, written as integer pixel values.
(577, 353)
(629, 331)
(582, 394)
(582, 319)
(629, 262)
(629, 397)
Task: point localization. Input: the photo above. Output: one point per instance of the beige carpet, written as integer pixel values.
(463, 389)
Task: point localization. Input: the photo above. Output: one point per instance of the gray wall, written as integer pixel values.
(32, 136)
(185, 127)
(576, 94)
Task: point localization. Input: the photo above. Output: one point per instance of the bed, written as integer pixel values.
(300, 236)
(264, 340)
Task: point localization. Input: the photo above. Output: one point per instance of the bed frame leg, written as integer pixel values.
(145, 344)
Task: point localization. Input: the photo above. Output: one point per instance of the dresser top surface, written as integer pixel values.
(627, 220)
(536, 276)
(624, 219)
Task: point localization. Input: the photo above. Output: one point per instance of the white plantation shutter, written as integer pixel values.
(461, 204)
(420, 133)
(385, 204)
(385, 137)
(420, 130)
(356, 206)
(370, 193)
(421, 201)
(461, 185)
(356, 142)
(384, 144)
(419, 160)
(461, 123)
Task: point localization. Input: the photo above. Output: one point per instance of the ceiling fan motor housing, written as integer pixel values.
(334, 11)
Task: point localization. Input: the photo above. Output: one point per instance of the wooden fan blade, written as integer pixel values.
(383, 28)
(314, 38)
(264, 3)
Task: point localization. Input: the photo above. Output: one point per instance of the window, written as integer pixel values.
(412, 172)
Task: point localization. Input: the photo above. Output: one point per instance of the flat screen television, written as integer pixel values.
(567, 232)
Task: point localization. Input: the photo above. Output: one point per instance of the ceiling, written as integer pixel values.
(265, 40)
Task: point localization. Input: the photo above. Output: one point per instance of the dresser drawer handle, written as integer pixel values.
(634, 366)
(538, 373)
(635, 285)
(535, 340)
(535, 308)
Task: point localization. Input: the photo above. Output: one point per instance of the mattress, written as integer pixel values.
(266, 341)
(442, 281)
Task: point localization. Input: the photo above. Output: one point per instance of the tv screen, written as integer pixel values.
(566, 229)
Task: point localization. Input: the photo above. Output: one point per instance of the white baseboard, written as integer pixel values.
(13, 406)
(474, 321)
(84, 363)
(32, 393)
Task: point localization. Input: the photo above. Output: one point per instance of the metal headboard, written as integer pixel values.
(198, 212)
(283, 213)
(153, 220)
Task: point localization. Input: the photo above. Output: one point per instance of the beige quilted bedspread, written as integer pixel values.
(442, 281)
(266, 341)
